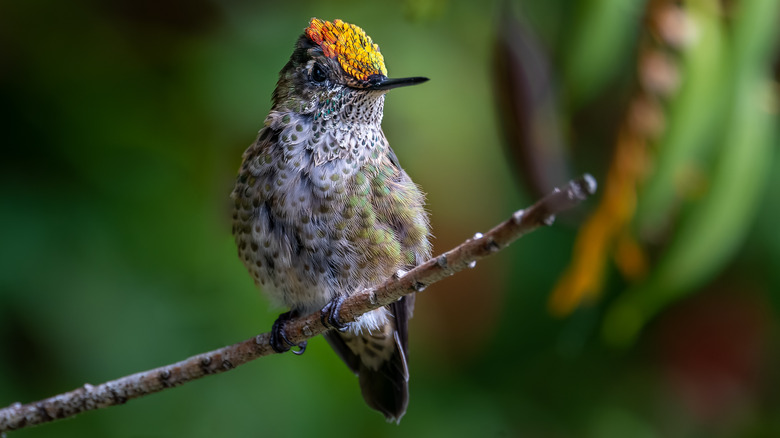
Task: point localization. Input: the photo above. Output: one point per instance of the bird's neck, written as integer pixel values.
(339, 127)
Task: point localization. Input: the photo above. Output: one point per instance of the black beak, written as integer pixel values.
(379, 82)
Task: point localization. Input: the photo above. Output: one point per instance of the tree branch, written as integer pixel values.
(119, 391)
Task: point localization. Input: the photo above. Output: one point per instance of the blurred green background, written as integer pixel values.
(123, 125)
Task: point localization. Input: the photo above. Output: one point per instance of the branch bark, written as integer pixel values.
(119, 391)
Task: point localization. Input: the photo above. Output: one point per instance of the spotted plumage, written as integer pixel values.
(323, 208)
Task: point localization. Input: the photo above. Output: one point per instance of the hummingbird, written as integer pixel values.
(323, 209)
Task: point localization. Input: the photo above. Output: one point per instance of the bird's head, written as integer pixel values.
(333, 64)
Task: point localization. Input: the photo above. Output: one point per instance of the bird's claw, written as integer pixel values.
(330, 314)
(279, 341)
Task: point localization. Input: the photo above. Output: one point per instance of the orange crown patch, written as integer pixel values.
(349, 44)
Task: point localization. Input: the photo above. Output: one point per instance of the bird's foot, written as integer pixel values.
(279, 341)
(330, 314)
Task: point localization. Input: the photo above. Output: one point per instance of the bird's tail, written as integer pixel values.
(379, 358)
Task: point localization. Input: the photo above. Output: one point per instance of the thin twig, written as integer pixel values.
(119, 391)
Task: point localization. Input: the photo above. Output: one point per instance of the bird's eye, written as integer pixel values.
(318, 74)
